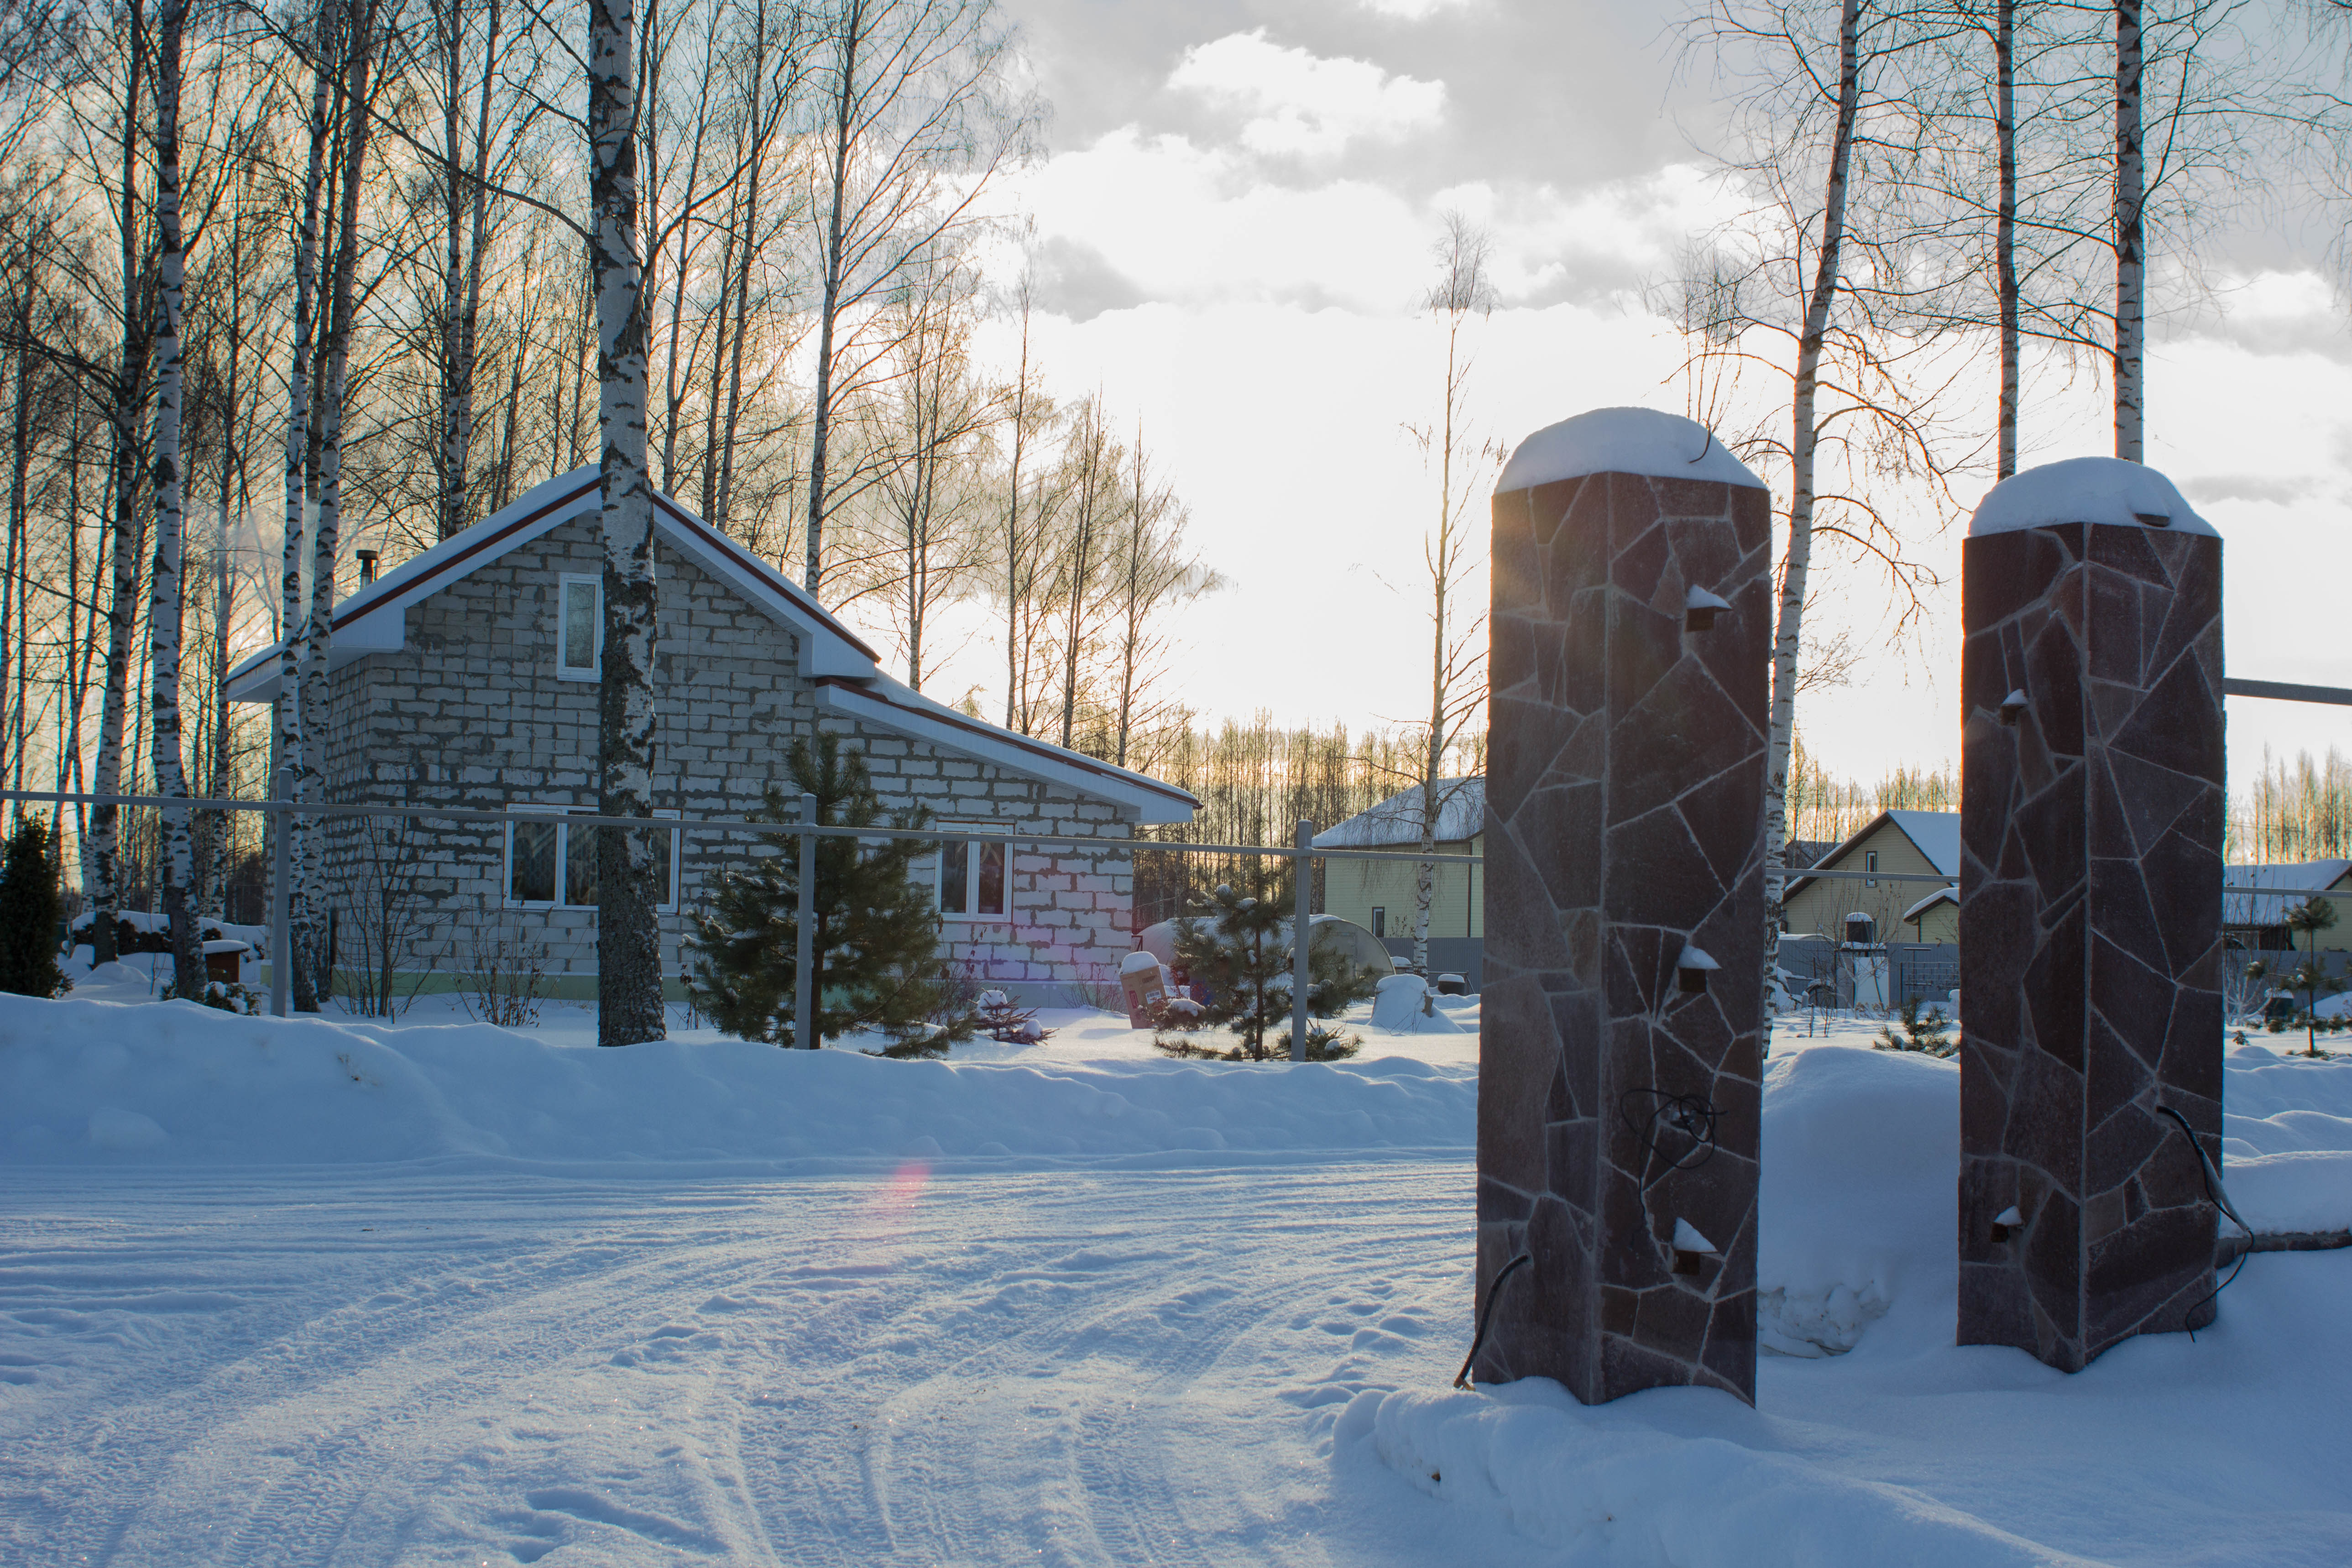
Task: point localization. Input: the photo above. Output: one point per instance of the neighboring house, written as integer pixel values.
(1909, 841)
(2258, 920)
(1936, 917)
(1379, 895)
(469, 676)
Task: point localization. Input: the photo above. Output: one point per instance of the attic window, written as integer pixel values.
(579, 627)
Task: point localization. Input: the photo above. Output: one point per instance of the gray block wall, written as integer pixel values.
(472, 713)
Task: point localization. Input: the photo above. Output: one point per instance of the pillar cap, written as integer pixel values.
(1622, 441)
(2087, 489)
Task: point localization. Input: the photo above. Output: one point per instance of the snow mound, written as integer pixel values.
(1861, 1153)
(175, 1083)
(2087, 490)
(1603, 1488)
(1622, 441)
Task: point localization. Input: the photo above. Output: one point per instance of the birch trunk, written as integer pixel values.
(1804, 437)
(852, 32)
(326, 536)
(628, 930)
(2131, 259)
(2005, 225)
(130, 395)
(178, 849)
(1015, 586)
(292, 780)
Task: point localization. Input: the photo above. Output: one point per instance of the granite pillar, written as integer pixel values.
(2090, 911)
(1621, 1042)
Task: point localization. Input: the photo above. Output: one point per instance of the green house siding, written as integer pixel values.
(1353, 889)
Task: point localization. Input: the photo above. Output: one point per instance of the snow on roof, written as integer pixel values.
(373, 619)
(1622, 441)
(2087, 490)
(2270, 910)
(1935, 834)
(1940, 895)
(1461, 815)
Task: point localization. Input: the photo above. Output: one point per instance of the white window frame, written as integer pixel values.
(563, 667)
(1870, 863)
(968, 916)
(563, 858)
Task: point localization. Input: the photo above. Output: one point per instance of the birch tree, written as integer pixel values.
(129, 400)
(163, 578)
(628, 932)
(1463, 466)
(1868, 336)
(293, 764)
(917, 118)
(332, 367)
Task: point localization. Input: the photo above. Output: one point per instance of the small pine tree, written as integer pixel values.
(2311, 916)
(1237, 953)
(29, 914)
(876, 938)
(1921, 1032)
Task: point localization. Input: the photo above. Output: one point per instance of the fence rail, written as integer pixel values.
(806, 830)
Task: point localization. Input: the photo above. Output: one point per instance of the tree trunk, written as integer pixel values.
(628, 931)
(130, 395)
(2131, 258)
(293, 776)
(1804, 437)
(326, 542)
(2005, 230)
(851, 23)
(176, 855)
(1015, 587)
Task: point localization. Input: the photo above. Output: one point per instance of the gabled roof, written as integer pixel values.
(374, 618)
(844, 670)
(1940, 896)
(1935, 834)
(1461, 816)
(2258, 909)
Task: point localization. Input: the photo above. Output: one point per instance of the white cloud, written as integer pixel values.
(1413, 10)
(1297, 104)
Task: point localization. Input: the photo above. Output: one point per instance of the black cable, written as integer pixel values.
(1486, 1318)
(2219, 1195)
(1690, 1117)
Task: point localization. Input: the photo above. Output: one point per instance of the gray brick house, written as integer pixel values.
(468, 677)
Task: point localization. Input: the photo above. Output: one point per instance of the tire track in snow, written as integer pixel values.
(1072, 1366)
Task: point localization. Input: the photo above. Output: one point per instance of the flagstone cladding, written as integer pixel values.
(1624, 821)
(2090, 935)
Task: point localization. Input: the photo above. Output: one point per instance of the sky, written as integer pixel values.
(1235, 213)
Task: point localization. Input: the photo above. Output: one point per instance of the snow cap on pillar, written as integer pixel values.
(2087, 489)
(1622, 441)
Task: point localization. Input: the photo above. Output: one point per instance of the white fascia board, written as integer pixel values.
(984, 743)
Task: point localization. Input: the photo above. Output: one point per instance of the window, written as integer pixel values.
(1380, 921)
(544, 855)
(973, 884)
(1870, 863)
(579, 627)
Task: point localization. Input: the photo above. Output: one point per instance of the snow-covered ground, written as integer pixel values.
(329, 1290)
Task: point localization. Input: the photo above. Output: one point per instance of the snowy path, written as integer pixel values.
(1056, 1367)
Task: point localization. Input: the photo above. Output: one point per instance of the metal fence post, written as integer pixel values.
(804, 998)
(1301, 939)
(281, 925)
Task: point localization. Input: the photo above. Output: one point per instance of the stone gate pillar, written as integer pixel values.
(1620, 1050)
(2090, 909)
